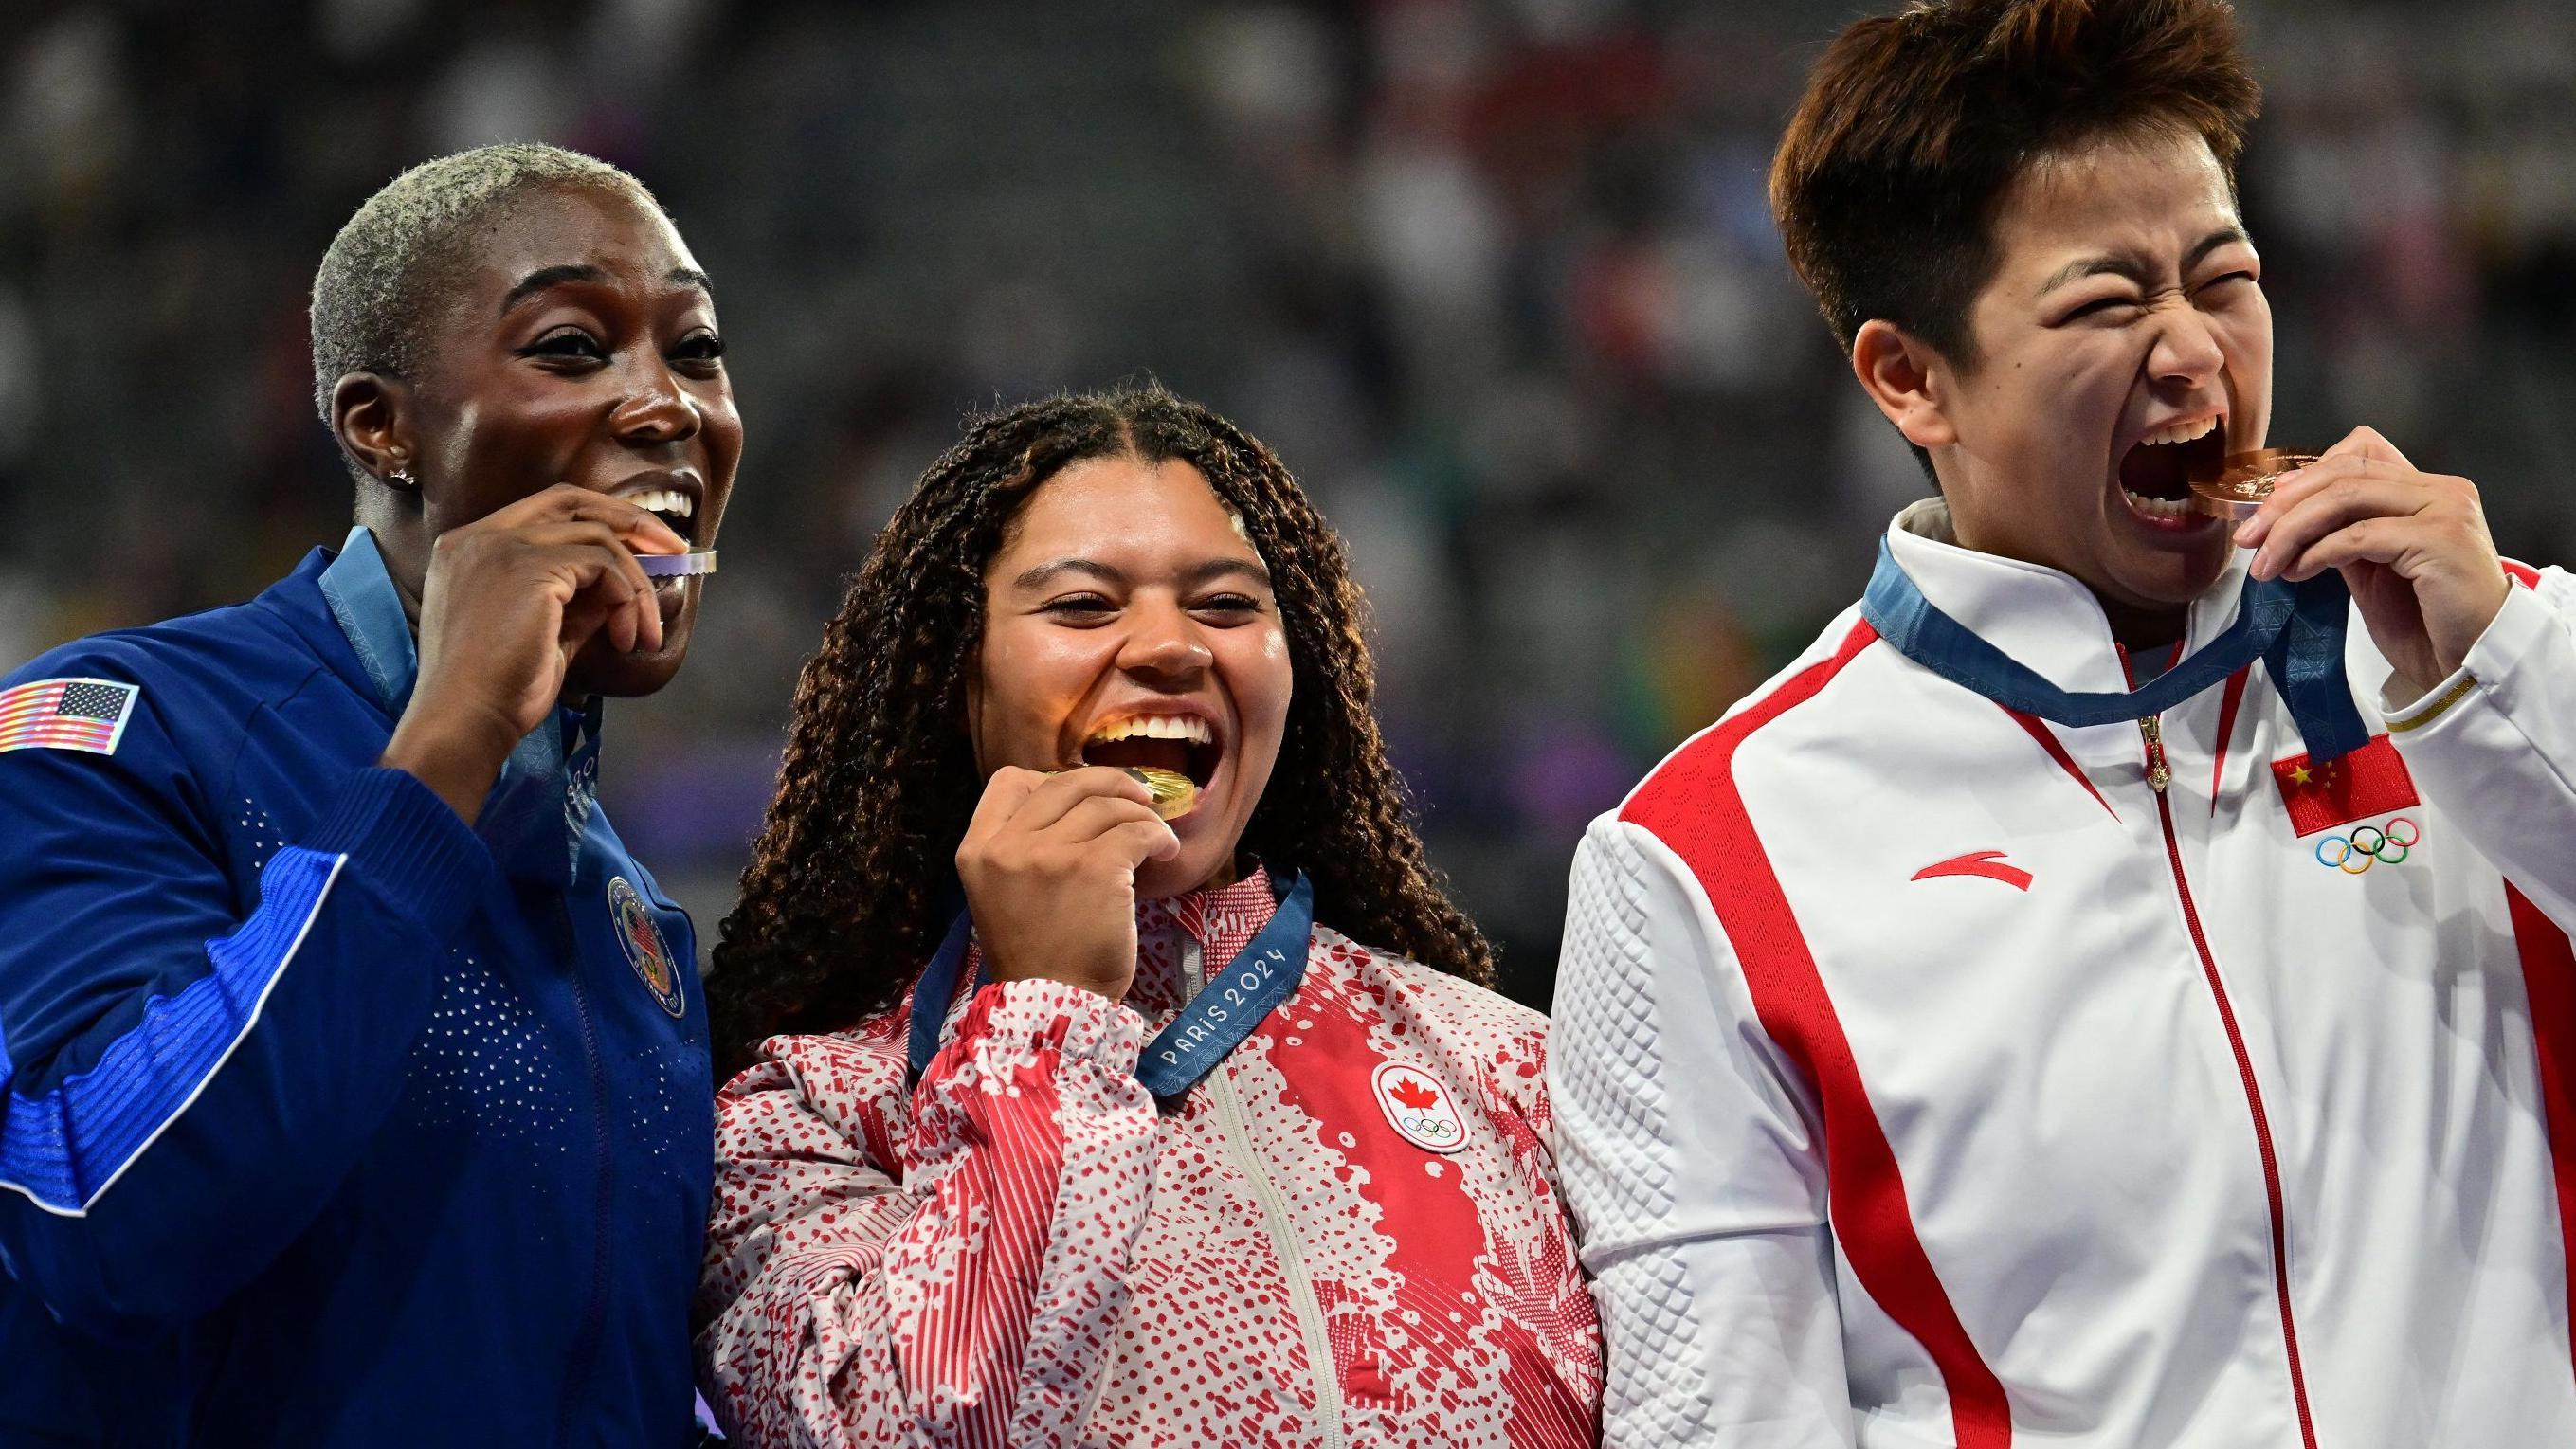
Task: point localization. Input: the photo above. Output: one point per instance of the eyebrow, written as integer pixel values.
(2132, 267)
(1215, 568)
(545, 277)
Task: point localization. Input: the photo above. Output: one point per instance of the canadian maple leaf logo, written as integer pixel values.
(1412, 1093)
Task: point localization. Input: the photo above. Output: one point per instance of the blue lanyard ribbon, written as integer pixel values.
(2295, 629)
(1236, 998)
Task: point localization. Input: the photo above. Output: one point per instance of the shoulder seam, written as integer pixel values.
(1729, 733)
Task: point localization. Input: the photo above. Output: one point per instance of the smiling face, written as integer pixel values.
(2122, 343)
(581, 347)
(1127, 621)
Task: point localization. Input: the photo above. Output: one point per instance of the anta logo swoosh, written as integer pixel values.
(1987, 863)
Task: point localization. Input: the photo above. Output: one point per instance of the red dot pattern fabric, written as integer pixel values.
(1025, 1250)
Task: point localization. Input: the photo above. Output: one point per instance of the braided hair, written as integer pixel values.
(842, 902)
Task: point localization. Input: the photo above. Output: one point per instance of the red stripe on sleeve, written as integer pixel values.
(970, 1338)
(2549, 982)
(1693, 805)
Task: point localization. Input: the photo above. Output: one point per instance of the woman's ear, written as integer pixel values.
(1911, 383)
(371, 416)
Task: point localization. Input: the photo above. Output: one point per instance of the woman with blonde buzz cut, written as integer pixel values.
(353, 1073)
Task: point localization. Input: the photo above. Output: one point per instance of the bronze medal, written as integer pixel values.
(2244, 480)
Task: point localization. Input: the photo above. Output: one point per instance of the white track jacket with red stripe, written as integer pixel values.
(1024, 1251)
(1927, 1074)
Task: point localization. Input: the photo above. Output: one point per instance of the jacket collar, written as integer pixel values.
(2046, 620)
(539, 807)
(369, 611)
(1222, 920)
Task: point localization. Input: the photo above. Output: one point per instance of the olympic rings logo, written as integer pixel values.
(1436, 1128)
(2352, 854)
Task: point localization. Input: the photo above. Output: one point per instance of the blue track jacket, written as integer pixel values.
(329, 1119)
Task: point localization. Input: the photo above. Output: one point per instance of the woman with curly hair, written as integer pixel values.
(1142, 1145)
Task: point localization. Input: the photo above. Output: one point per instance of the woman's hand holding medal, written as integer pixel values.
(509, 600)
(2413, 548)
(1049, 865)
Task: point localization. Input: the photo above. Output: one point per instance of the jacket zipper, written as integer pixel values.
(1274, 1208)
(585, 1351)
(2158, 776)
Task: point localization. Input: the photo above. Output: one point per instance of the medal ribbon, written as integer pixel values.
(1236, 998)
(2295, 629)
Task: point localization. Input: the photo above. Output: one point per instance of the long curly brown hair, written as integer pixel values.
(843, 900)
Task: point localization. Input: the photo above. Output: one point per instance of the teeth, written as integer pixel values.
(1156, 727)
(664, 500)
(2181, 432)
(2158, 507)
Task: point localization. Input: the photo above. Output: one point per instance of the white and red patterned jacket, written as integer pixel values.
(1933, 1075)
(1025, 1251)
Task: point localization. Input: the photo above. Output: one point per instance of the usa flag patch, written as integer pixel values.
(66, 714)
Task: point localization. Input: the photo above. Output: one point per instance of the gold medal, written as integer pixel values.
(2245, 480)
(1174, 793)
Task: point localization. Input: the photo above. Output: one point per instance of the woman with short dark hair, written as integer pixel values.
(2113, 989)
(354, 1082)
(1069, 1105)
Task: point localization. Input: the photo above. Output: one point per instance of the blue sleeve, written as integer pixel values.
(183, 1086)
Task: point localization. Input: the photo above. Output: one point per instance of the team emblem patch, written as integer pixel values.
(646, 951)
(2368, 783)
(2369, 845)
(1420, 1107)
(87, 715)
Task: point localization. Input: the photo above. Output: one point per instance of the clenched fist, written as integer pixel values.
(2413, 547)
(508, 601)
(1049, 865)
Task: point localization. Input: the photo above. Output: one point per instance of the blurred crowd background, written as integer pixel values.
(1495, 276)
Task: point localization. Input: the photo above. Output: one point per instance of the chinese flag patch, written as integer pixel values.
(2370, 781)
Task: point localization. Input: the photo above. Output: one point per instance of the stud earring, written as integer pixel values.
(401, 478)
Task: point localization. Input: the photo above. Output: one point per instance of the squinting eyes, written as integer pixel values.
(570, 342)
(1085, 606)
(2222, 286)
(703, 349)
(2100, 306)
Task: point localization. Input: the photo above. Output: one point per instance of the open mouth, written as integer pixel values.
(1183, 744)
(673, 498)
(2156, 471)
(676, 507)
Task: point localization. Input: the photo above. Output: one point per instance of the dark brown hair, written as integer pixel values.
(842, 902)
(1914, 125)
